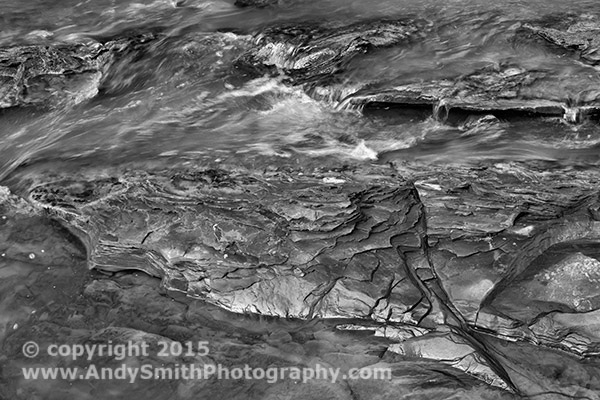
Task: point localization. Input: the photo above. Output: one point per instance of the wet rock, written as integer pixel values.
(506, 92)
(314, 249)
(25, 235)
(38, 75)
(570, 285)
(575, 333)
(484, 234)
(255, 3)
(412, 385)
(50, 75)
(579, 34)
(450, 349)
(546, 372)
(395, 332)
(129, 307)
(418, 255)
(428, 266)
(310, 53)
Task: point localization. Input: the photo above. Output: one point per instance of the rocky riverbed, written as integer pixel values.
(372, 192)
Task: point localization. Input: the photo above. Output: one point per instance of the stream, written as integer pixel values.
(401, 186)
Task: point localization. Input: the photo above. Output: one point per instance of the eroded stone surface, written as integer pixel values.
(312, 53)
(571, 284)
(450, 349)
(55, 303)
(316, 57)
(484, 229)
(580, 34)
(406, 251)
(506, 90)
(577, 333)
(50, 75)
(431, 252)
(312, 249)
(255, 3)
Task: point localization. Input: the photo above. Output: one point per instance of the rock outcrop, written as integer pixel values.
(314, 53)
(322, 245)
(457, 263)
(316, 58)
(48, 76)
(577, 34)
(435, 250)
(508, 92)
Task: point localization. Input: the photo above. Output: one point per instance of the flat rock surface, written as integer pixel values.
(506, 90)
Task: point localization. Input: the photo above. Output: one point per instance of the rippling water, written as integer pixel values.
(182, 99)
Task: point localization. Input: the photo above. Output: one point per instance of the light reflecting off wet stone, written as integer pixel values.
(401, 185)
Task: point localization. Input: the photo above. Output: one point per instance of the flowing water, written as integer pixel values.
(181, 101)
(182, 98)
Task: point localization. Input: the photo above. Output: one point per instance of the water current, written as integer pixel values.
(181, 96)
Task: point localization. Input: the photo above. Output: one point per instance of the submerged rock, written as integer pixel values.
(44, 75)
(580, 34)
(49, 75)
(314, 52)
(317, 56)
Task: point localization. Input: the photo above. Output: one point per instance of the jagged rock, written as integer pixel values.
(484, 230)
(580, 34)
(282, 245)
(571, 285)
(353, 243)
(450, 349)
(395, 332)
(49, 75)
(575, 333)
(54, 304)
(545, 372)
(506, 91)
(309, 53)
(314, 56)
(437, 248)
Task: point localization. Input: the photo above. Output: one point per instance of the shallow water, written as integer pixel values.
(182, 98)
(181, 103)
